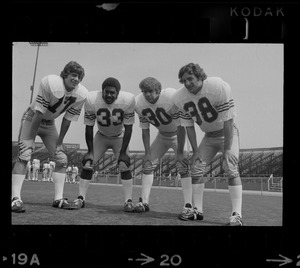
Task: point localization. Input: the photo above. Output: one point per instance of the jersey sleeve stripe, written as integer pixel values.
(74, 111)
(225, 105)
(42, 101)
(128, 115)
(225, 109)
(90, 116)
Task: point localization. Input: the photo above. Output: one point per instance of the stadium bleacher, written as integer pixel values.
(257, 163)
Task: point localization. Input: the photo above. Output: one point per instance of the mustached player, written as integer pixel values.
(57, 95)
(208, 102)
(113, 111)
(154, 106)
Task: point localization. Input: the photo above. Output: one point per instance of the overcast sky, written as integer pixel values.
(254, 72)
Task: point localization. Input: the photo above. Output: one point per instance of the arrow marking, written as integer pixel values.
(284, 261)
(145, 261)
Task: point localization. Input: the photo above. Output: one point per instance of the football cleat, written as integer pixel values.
(199, 215)
(141, 206)
(235, 219)
(78, 203)
(17, 205)
(188, 213)
(129, 206)
(61, 203)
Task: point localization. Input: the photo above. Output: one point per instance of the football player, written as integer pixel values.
(35, 169)
(51, 169)
(154, 106)
(74, 173)
(113, 111)
(45, 171)
(68, 174)
(56, 95)
(208, 102)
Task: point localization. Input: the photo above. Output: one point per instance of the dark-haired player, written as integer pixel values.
(208, 102)
(57, 95)
(113, 111)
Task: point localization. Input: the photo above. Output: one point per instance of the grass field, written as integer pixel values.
(104, 206)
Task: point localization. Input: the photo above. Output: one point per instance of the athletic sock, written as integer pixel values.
(59, 182)
(17, 182)
(127, 187)
(83, 187)
(236, 198)
(147, 182)
(187, 190)
(198, 190)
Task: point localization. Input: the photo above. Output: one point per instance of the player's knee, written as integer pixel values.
(198, 180)
(198, 168)
(126, 175)
(25, 156)
(232, 174)
(183, 169)
(125, 171)
(148, 167)
(86, 174)
(61, 159)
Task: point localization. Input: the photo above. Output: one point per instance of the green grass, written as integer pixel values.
(104, 206)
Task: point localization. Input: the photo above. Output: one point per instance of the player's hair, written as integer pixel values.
(150, 83)
(73, 67)
(111, 82)
(192, 68)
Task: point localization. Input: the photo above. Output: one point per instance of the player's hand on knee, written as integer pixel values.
(25, 145)
(194, 158)
(124, 158)
(230, 158)
(147, 159)
(87, 160)
(60, 148)
(179, 157)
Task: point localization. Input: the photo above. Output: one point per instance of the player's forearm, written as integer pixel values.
(192, 138)
(126, 138)
(228, 134)
(89, 137)
(146, 140)
(180, 139)
(65, 124)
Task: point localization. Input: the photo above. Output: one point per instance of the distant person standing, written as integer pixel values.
(74, 173)
(69, 174)
(35, 169)
(51, 170)
(46, 167)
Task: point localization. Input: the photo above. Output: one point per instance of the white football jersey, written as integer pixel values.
(209, 108)
(110, 118)
(52, 165)
(46, 166)
(53, 99)
(161, 114)
(36, 163)
(75, 170)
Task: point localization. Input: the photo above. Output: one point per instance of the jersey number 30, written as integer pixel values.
(208, 112)
(159, 117)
